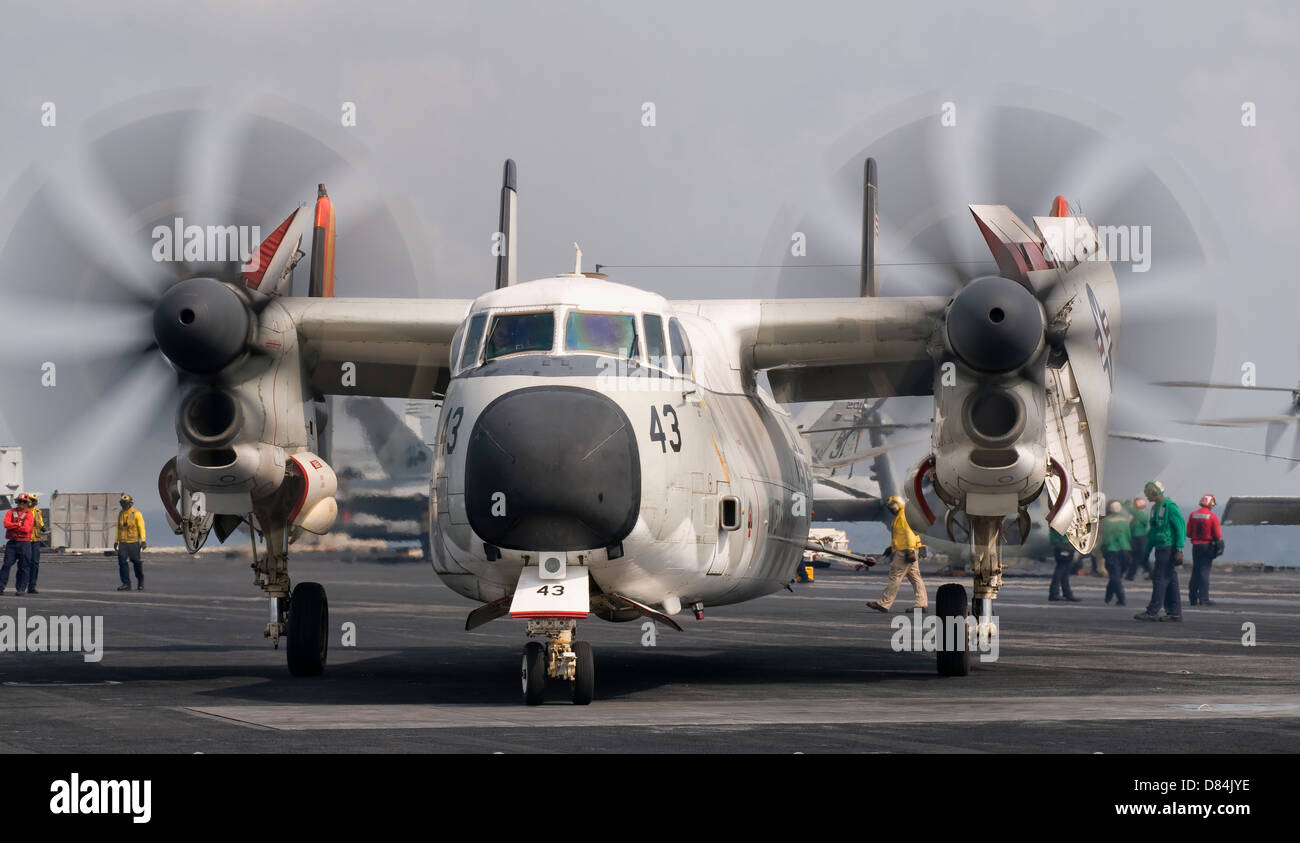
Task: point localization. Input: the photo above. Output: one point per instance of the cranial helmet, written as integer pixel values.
(1208, 500)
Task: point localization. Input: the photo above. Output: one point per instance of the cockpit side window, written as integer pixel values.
(473, 337)
(456, 339)
(681, 347)
(603, 333)
(516, 333)
(654, 341)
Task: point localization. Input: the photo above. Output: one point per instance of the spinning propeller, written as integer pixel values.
(110, 293)
(1019, 153)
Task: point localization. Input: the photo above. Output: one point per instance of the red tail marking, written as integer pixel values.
(1017, 253)
(265, 252)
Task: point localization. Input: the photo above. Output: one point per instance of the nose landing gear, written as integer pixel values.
(561, 657)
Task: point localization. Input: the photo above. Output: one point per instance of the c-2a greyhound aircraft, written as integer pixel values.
(604, 450)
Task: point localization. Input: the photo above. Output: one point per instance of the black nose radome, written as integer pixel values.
(202, 325)
(552, 468)
(995, 325)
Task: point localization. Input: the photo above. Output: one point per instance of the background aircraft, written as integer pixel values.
(1266, 510)
(384, 487)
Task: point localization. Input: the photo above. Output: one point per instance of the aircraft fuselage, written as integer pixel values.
(659, 468)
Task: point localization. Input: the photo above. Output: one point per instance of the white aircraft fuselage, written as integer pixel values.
(592, 418)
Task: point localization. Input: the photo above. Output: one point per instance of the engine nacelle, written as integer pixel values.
(989, 439)
(236, 430)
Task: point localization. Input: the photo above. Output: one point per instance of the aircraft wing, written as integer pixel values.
(833, 349)
(385, 348)
(1253, 511)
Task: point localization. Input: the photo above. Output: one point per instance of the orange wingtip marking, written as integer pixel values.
(1060, 208)
(324, 228)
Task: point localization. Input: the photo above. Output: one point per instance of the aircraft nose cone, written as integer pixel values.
(552, 468)
(201, 325)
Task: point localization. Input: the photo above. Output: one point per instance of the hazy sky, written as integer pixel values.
(757, 107)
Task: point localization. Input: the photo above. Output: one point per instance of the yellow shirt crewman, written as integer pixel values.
(905, 544)
(38, 533)
(130, 541)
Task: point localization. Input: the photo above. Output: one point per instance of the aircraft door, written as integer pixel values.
(704, 516)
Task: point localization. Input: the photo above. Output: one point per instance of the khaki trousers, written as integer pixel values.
(905, 564)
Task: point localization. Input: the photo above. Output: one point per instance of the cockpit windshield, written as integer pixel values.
(515, 333)
(604, 333)
(473, 339)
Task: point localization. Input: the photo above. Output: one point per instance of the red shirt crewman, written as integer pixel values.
(19, 522)
(1206, 535)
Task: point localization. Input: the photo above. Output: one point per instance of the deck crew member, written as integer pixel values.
(905, 545)
(1206, 536)
(130, 541)
(1166, 535)
(18, 543)
(1116, 539)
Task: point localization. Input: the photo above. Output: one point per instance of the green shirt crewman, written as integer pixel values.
(1166, 533)
(1116, 540)
(1140, 550)
(1063, 553)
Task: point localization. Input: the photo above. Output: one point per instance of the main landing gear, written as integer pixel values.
(308, 629)
(302, 617)
(962, 633)
(560, 657)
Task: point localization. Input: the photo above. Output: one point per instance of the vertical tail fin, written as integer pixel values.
(870, 230)
(507, 257)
